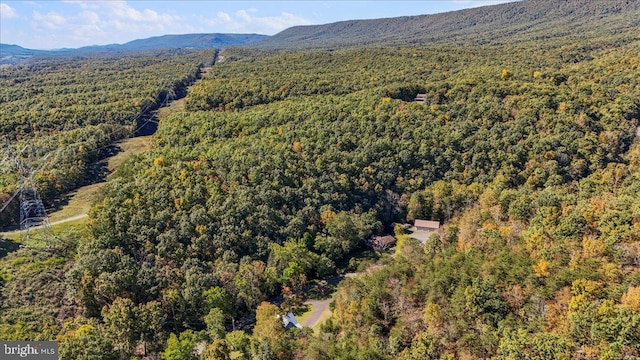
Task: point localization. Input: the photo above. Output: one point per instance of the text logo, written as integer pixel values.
(31, 350)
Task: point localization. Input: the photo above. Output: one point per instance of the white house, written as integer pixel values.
(290, 321)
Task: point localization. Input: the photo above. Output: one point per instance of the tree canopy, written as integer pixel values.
(282, 165)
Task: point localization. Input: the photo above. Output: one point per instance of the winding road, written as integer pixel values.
(73, 218)
(320, 306)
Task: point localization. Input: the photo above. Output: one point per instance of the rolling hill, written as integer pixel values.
(499, 24)
(12, 54)
(8, 49)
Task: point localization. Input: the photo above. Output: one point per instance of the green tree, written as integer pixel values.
(182, 347)
(239, 341)
(217, 297)
(268, 335)
(268, 323)
(253, 282)
(215, 324)
(120, 323)
(423, 346)
(83, 340)
(150, 320)
(292, 252)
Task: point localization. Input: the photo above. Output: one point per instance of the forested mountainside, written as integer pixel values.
(282, 165)
(536, 22)
(73, 108)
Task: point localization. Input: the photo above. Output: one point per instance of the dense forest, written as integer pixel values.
(283, 164)
(74, 108)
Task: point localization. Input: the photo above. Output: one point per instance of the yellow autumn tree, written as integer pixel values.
(541, 268)
(296, 147)
(268, 325)
(631, 298)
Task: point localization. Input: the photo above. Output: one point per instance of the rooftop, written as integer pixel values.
(427, 224)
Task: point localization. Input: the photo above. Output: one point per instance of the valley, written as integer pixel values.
(270, 173)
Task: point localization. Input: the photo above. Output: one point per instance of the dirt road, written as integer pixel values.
(74, 218)
(319, 307)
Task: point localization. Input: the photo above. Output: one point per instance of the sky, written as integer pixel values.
(77, 23)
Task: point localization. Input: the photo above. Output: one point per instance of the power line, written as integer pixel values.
(9, 201)
(32, 212)
(109, 134)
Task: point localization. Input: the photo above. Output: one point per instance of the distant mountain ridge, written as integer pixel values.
(529, 20)
(15, 53)
(516, 21)
(8, 49)
(185, 41)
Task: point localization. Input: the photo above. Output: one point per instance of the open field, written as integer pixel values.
(79, 203)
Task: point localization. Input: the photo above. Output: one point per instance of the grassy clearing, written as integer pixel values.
(35, 236)
(79, 202)
(77, 225)
(128, 147)
(175, 106)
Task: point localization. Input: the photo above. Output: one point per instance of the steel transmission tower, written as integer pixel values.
(32, 211)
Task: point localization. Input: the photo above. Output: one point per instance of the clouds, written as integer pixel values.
(76, 23)
(120, 10)
(249, 21)
(82, 23)
(7, 12)
(50, 21)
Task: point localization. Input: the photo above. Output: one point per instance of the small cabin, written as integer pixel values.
(420, 98)
(380, 243)
(426, 225)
